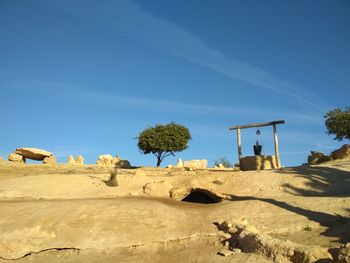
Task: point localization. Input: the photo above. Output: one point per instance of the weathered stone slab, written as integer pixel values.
(33, 153)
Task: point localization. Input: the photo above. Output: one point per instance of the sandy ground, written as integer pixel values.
(68, 213)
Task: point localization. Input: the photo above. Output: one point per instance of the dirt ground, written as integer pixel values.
(68, 213)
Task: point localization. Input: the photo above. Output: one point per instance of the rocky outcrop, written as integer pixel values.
(14, 157)
(50, 160)
(105, 159)
(109, 160)
(79, 159)
(180, 163)
(317, 158)
(71, 160)
(248, 239)
(33, 153)
(342, 152)
(196, 164)
(157, 189)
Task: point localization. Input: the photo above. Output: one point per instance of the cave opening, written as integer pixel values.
(201, 197)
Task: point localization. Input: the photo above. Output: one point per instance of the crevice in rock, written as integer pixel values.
(75, 250)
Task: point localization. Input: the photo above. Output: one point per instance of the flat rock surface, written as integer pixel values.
(55, 213)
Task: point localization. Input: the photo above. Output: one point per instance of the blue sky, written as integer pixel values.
(86, 77)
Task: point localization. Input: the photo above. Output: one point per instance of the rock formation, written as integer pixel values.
(105, 159)
(50, 160)
(342, 152)
(79, 159)
(14, 157)
(180, 163)
(33, 153)
(196, 164)
(109, 160)
(157, 189)
(317, 158)
(71, 160)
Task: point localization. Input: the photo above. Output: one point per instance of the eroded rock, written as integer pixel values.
(50, 160)
(14, 157)
(250, 240)
(79, 159)
(33, 153)
(342, 152)
(196, 164)
(317, 158)
(71, 160)
(157, 189)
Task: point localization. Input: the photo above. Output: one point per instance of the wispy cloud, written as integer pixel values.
(69, 92)
(128, 18)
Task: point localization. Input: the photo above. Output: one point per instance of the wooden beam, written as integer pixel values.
(239, 144)
(275, 140)
(257, 125)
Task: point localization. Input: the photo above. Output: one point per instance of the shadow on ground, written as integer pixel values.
(321, 181)
(337, 226)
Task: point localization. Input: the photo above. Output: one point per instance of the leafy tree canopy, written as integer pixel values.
(338, 123)
(163, 140)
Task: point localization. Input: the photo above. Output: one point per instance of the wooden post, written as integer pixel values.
(239, 145)
(276, 146)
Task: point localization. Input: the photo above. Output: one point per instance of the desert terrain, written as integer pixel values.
(69, 213)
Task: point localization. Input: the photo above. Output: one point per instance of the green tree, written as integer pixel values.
(338, 123)
(163, 140)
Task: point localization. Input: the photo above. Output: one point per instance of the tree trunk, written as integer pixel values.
(159, 160)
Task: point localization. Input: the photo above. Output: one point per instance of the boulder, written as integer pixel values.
(342, 152)
(79, 160)
(14, 157)
(196, 164)
(318, 157)
(50, 160)
(1, 159)
(71, 160)
(33, 153)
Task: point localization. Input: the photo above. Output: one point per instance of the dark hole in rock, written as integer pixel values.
(201, 197)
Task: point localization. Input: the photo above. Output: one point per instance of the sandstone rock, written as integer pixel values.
(109, 160)
(79, 160)
(33, 153)
(14, 157)
(105, 159)
(250, 240)
(180, 163)
(157, 189)
(1, 159)
(196, 164)
(317, 158)
(50, 160)
(342, 152)
(71, 160)
(170, 166)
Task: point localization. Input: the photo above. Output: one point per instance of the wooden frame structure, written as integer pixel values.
(275, 139)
